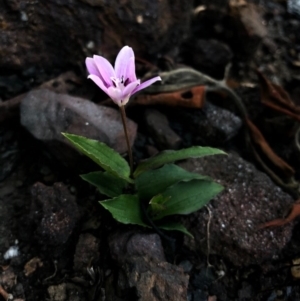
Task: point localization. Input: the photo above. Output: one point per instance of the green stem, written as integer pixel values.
(123, 115)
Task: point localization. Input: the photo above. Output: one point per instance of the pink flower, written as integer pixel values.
(119, 83)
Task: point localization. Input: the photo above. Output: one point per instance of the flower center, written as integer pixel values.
(119, 83)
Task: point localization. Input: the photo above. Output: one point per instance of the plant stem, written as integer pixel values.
(123, 115)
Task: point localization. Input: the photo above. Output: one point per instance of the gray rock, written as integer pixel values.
(54, 213)
(212, 125)
(46, 115)
(154, 280)
(249, 200)
(161, 132)
(129, 244)
(224, 124)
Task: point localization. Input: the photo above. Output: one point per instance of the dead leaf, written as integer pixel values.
(32, 265)
(260, 141)
(295, 212)
(275, 97)
(188, 98)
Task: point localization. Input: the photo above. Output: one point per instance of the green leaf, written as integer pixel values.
(172, 226)
(125, 209)
(153, 182)
(156, 205)
(103, 155)
(170, 156)
(106, 183)
(188, 197)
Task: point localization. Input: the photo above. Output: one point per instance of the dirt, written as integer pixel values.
(56, 243)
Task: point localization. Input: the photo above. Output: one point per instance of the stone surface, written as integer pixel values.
(87, 252)
(46, 115)
(57, 33)
(209, 56)
(211, 125)
(249, 200)
(154, 280)
(58, 292)
(54, 213)
(160, 130)
(129, 244)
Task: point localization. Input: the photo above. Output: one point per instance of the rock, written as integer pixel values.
(154, 280)
(209, 56)
(129, 244)
(87, 252)
(65, 83)
(58, 292)
(186, 265)
(249, 200)
(159, 129)
(56, 34)
(202, 280)
(211, 125)
(54, 213)
(46, 115)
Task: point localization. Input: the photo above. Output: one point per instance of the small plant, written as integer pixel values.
(157, 188)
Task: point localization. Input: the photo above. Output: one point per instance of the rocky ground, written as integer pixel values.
(242, 96)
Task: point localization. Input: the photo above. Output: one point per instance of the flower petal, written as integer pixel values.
(129, 88)
(115, 94)
(130, 72)
(98, 82)
(146, 84)
(105, 69)
(91, 66)
(122, 61)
